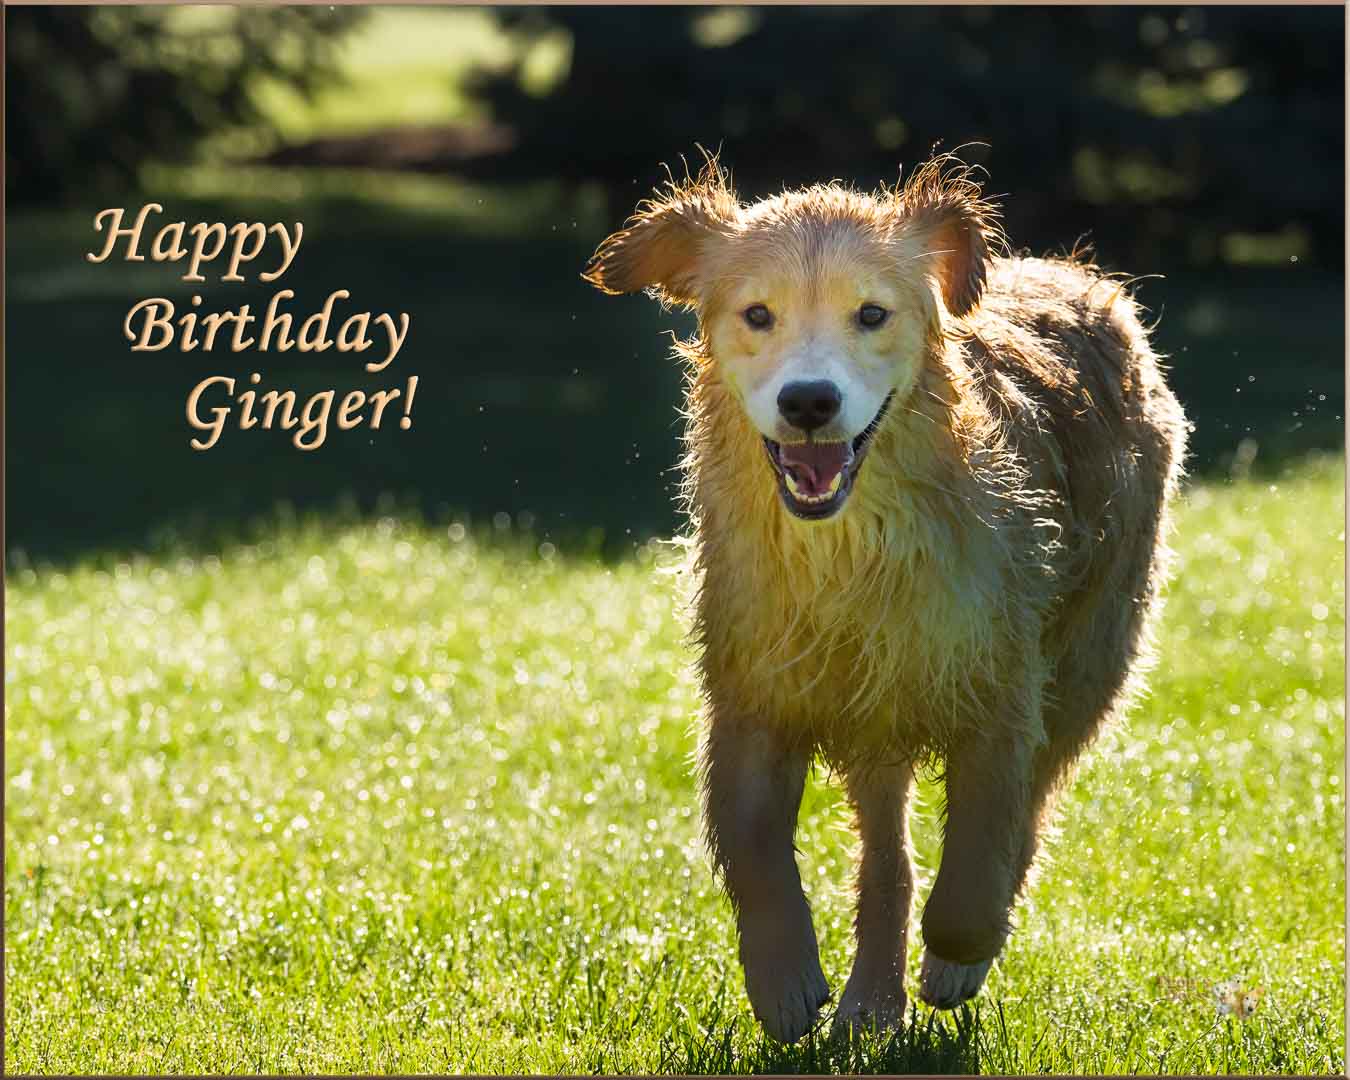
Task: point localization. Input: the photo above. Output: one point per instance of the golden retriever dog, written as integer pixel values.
(929, 487)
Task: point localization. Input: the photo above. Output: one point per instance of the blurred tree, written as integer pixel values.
(1163, 130)
(94, 92)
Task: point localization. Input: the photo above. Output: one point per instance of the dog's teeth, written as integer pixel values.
(802, 497)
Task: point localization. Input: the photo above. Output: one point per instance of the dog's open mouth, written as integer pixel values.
(816, 478)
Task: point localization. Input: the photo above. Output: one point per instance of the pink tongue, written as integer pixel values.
(814, 466)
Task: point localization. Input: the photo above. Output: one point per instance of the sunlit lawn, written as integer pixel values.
(398, 65)
(387, 797)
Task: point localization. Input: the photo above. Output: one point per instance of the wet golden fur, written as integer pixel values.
(990, 582)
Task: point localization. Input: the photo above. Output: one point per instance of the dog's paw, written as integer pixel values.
(788, 1004)
(945, 985)
(785, 984)
(794, 1009)
(868, 1007)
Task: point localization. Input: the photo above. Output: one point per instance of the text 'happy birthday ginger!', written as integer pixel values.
(157, 323)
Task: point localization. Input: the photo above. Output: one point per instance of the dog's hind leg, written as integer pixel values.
(1102, 644)
(874, 997)
(1094, 682)
(1070, 728)
(752, 789)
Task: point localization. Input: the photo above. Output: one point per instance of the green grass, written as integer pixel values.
(381, 796)
(396, 66)
(401, 66)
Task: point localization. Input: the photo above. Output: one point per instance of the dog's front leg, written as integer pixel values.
(966, 918)
(753, 785)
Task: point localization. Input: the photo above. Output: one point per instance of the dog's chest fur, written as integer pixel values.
(883, 630)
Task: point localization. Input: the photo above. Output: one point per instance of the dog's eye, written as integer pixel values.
(872, 315)
(758, 316)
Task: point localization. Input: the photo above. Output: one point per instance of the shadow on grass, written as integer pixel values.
(928, 1043)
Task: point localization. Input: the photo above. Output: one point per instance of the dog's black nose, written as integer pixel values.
(809, 404)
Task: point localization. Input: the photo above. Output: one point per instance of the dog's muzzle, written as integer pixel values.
(816, 478)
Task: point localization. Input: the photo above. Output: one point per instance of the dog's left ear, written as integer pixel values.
(662, 245)
(943, 210)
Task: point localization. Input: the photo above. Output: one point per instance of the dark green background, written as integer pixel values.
(540, 398)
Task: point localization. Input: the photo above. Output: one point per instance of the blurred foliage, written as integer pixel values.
(1212, 121)
(1172, 135)
(93, 93)
(1200, 144)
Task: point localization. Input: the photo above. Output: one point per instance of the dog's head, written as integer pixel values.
(819, 305)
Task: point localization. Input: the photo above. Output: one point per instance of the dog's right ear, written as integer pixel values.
(942, 206)
(662, 246)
